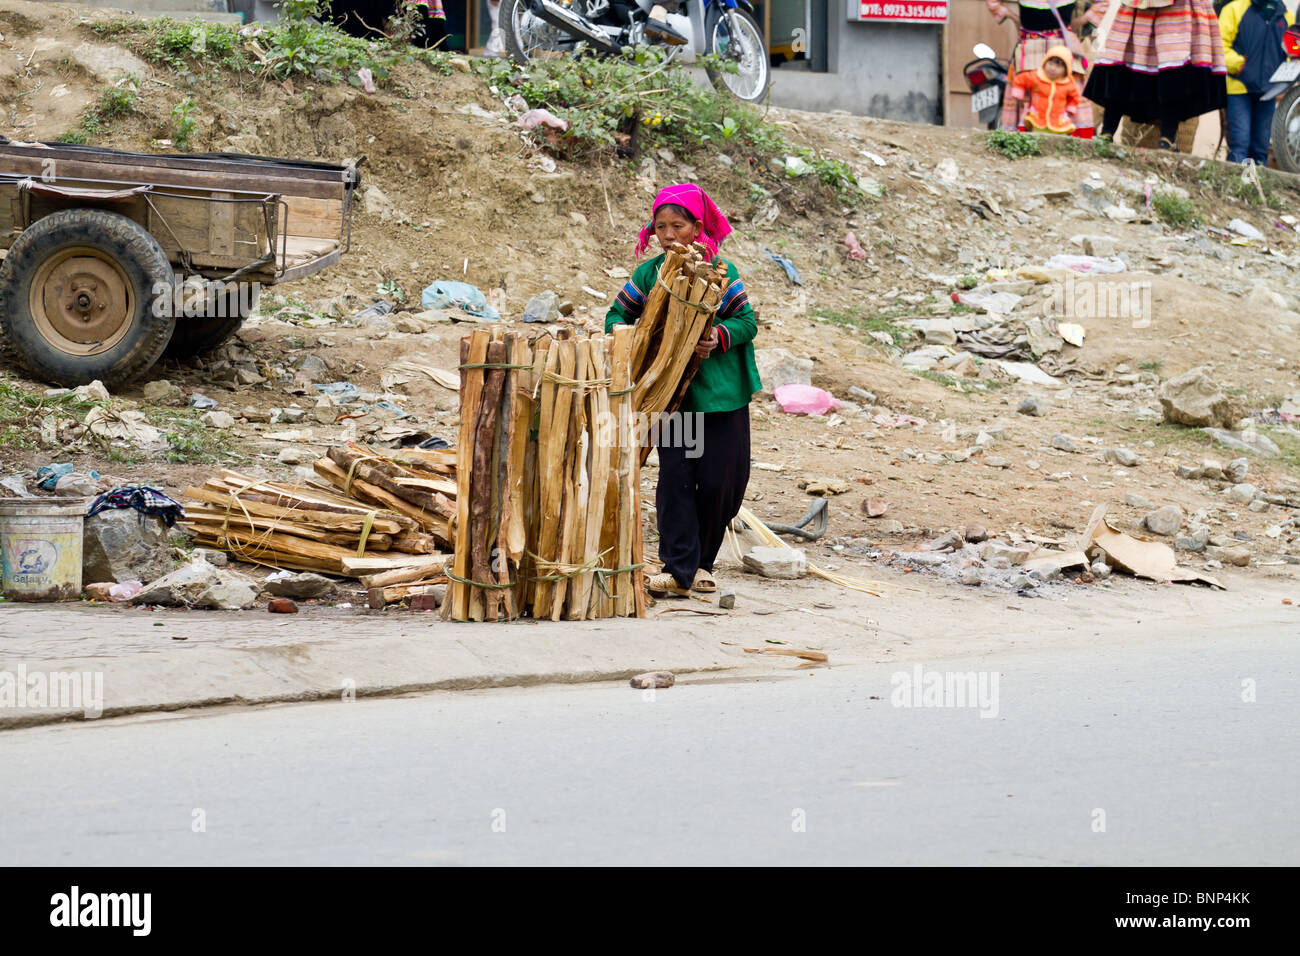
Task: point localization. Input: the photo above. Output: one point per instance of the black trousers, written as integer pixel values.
(698, 496)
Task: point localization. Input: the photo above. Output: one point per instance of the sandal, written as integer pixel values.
(1167, 145)
(664, 584)
(704, 582)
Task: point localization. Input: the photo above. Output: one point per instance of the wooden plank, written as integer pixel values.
(319, 218)
(221, 226)
(375, 563)
(473, 351)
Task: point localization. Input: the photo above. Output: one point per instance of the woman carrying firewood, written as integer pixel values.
(701, 480)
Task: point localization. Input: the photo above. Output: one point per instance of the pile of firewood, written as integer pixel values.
(421, 485)
(548, 479)
(304, 528)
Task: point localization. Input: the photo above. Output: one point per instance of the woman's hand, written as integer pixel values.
(707, 344)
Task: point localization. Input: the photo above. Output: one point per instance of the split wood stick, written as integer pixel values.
(480, 505)
(655, 300)
(415, 572)
(270, 557)
(517, 402)
(671, 334)
(296, 493)
(376, 563)
(385, 595)
(594, 510)
(473, 351)
(627, 521)
(552, 437)
(415, 542)
(532, 492)
(677, 352)
(233, 519)
(575, 482)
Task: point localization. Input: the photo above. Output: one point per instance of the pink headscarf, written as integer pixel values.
(697, 202)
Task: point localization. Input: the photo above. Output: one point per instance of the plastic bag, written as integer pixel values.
(460, 295)
(805, 400)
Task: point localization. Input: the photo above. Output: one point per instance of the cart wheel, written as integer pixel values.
(221, 318)
(79, 298)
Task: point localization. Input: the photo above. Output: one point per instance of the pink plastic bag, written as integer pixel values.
(805, 400)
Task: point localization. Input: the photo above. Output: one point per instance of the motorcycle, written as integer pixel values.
(1286, 86)
(987, 78)
(724, 28)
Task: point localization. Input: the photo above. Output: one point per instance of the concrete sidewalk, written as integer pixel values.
(251, 657)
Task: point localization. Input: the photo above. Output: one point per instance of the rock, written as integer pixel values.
(325, 411)
(824, 486)
(162, 392)
(1033, 405)
(948, 542)
(993, 550)
(1164, 521)
(251, 414)
(997, 461)
(1195, 542)
(1122, 456)
(1236, 470)
(1044, 570)
(970, 577)
(862, 394)
(1187, 471)
(218, 419)
(1134, 500)
(788, 563)
(291, 416)
(655, 679)
(199, 584)
(409, 324)
(1100, 569)
(1243, 493)
(1194, 399)
(378, 203)
(940, 332)
(889, 526)
(1101, 246)
(1259, 504)
(1249, 441)
(1236, 556)
(293, 455)
(1211, 469)
(975, 533)
(213, 557)
(282, 606)
(1064, 442)
(777, 367)
(727, 598)
(302, 586)
(544, 307)
(121, 544)
(311, 367)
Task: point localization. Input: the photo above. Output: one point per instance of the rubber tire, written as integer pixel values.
(1281, 149)
(716, 78)
(506, 19)
(197, 334)
(134, 250)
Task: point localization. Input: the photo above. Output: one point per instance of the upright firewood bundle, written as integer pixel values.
(548, 482)
(678, 313)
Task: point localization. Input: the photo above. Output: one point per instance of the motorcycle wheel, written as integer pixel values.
(1286, 130)
(529, 37)
(747, 49)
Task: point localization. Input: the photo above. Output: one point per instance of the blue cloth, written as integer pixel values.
(791, 272)
(143, 498)
(459, 295)
(1259, 40)
(1250, 127)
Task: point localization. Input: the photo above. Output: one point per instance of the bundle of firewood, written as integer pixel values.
(548, 489)
(307, 529)
(678, 313)
(420, 485)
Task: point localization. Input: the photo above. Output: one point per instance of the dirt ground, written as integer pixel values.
(468, 199)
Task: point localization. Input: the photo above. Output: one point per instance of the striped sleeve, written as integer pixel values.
(632, 301)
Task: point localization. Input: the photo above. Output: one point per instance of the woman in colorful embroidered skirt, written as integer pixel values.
(1042, 26)
(1158, 64)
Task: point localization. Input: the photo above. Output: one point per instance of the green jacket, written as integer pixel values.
(728, 378)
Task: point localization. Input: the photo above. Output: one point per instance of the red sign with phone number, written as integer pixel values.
(904, 11)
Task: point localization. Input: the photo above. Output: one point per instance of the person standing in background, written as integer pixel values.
(1157, 63)
(1252, 49)
(1042, 25)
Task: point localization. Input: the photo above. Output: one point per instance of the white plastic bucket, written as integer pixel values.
(40, 548)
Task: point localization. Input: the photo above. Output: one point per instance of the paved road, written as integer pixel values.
(809, 766)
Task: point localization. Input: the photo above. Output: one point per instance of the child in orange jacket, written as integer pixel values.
(1053, 97)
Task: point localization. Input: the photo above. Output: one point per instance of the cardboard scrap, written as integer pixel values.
(1141, 558)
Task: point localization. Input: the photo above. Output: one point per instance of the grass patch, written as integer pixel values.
(641, 102)
(115, 102)
(856, 321)
(1289, 445)
(189, 440)
(1228, 183)
(1168, 436)
(1173, 209)
(1151, 365)
(1014, 145)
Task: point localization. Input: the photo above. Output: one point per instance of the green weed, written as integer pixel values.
(1173, 209)
(183, 122)
(1014, 145)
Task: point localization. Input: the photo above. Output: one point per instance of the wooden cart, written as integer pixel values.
(115, 258)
